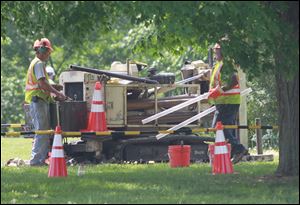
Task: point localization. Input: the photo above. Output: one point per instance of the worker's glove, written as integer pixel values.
(215, 92)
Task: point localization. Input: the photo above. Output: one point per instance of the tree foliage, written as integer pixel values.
(250, 32)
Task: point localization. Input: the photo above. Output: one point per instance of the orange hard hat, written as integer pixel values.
(217, 46)
(44, 42)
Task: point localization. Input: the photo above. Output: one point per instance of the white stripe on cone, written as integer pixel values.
(57, 140)
(221, 149)
(97, 95)
(97, 108)
(57, 167)
(57, 153)
(220, 136)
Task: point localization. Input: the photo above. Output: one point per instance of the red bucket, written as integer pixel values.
(179, 155)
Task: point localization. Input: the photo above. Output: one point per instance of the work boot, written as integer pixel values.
(238, 156)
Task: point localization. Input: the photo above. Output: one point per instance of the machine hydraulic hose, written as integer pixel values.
(111, 74)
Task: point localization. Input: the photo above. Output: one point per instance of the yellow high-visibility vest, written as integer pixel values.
(32, 87)
(231, 96)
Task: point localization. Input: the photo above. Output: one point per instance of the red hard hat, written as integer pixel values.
(43, 42)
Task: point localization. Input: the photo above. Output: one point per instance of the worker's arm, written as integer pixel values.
(233, 82)
(57, 87)
(44, 84)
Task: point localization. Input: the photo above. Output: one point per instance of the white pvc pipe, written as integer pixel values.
(198, 116)
(175, 108)
(179, 83)
(188, 121)
(182, 105)
(246, 92)
(190, 79)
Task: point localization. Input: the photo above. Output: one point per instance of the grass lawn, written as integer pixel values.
(144, 183)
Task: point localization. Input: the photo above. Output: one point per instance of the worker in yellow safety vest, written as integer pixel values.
(38, 94)
(226, 98)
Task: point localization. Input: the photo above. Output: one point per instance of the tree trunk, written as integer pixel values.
(288, 99)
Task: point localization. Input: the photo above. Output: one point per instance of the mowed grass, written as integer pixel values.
(142, 183)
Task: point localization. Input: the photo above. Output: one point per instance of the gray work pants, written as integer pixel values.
(40, 115)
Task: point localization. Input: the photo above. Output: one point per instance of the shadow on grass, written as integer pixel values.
(147, 184)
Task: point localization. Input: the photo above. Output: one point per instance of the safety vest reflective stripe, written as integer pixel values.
(231, 96)
(31, 83)
(234, 91)
(215, 79)
(32, 87)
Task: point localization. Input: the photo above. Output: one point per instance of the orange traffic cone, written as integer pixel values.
(97, 117)
(220, 153)
(57, 166)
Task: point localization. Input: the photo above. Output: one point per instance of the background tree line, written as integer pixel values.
(261, 37)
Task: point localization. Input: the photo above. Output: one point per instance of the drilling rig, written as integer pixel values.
(128, 100)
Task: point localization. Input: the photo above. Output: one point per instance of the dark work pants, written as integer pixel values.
(226, 113)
